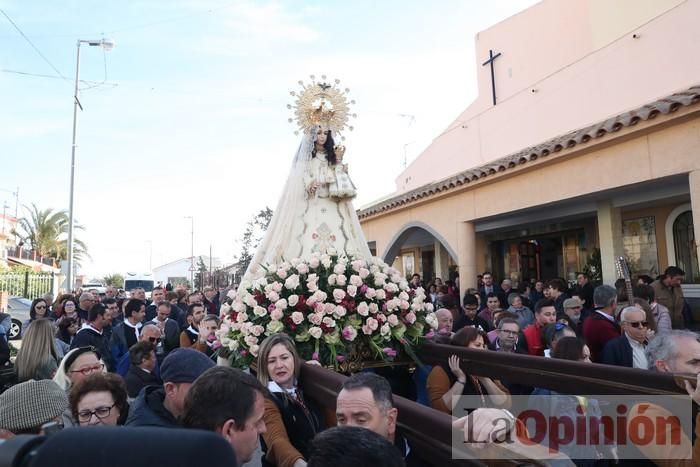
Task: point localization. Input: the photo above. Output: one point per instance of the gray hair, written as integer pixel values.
(437, 313)
(604, 296)
(664, 346)
(86, 296)
(630, 309)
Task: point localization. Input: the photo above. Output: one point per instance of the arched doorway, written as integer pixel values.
(684, 244)
(423, 250)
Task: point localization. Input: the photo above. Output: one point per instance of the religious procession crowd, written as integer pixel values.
(93, 360)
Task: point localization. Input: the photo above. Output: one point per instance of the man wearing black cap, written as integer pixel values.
(162, 406)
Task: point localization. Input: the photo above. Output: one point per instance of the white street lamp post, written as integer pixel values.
(106, 44)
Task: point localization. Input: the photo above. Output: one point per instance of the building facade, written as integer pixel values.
(591, 148)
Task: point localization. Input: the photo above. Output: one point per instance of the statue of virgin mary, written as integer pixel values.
(315, 213)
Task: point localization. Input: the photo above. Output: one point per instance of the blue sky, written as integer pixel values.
(187, 115)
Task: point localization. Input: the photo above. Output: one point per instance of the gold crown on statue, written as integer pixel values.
(321, 103)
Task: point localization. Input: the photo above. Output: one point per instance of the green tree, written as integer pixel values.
(46, 232)
(114, 280)
(201, 272)
(252, 236)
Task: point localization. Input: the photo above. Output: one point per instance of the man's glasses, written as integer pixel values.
(508, 331)
(153, 340)
(100, 412)
(637, 324)
(91, 369)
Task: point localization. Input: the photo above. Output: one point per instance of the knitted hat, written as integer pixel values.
(31, 404)
(184, 365)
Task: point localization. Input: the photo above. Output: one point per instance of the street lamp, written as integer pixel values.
(107, 45)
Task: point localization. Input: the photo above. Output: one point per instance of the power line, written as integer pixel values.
(34, 46)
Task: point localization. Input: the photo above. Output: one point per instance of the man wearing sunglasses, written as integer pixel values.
(629, 349)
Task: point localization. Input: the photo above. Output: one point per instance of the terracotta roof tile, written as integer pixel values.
(566, 141)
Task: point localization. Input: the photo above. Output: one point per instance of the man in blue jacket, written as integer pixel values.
(629, 349)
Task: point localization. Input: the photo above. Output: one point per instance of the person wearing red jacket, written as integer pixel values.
(600, 327)
(545, 314)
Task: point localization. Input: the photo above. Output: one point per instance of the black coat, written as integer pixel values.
(137, 379)
(618, 352)
(89, 337)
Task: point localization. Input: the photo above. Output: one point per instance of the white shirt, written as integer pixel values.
(274, 387)
(607, 316)
(639, 358)
(137, 328)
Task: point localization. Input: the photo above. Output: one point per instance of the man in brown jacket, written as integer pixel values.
(667, 291)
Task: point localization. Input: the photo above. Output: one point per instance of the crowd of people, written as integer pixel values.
(108, 360)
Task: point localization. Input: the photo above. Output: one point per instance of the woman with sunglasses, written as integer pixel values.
(99, 400)
(39, 309)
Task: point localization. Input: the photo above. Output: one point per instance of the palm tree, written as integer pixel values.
(46, 232)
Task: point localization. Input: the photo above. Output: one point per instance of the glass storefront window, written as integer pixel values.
(639, 242)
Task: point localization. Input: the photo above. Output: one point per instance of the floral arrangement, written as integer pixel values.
(332, 305)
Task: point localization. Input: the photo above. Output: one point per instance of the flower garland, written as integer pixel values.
(331, 305)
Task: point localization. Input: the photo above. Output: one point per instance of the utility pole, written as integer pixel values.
(191, 218)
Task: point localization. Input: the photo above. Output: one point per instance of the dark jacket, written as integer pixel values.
(464, 321)
(148, 410)
(89, 337)
(137, 379)
(618, 352)
(171, 337)
(498, 291)
(151, 311)
(117, 343)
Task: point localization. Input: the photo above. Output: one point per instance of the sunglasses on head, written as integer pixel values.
(636, 324)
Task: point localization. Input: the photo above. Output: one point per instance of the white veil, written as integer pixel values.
(279, 232)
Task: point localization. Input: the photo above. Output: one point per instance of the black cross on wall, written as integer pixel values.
(492, 57)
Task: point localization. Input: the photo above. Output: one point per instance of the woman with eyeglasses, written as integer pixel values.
(99, 400)
(37, 358)
(69, 309)
(77, 365)
(39, 309)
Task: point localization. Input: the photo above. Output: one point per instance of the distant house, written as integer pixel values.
(178, 271)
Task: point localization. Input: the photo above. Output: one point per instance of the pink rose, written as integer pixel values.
(393, 320)
(349, 333)
(341, 280)
(297, 317)
(370, 293)
(338, 295)
(363, 309)
(314, 262)
(316, 318)
(355, 280)
(302, 268)
(276, 314)
(352, 290)
(410, 317)
(364, 272)
(282, 273)
(339, 311)
(339, 268)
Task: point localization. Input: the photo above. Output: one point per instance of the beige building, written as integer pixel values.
(593, 144)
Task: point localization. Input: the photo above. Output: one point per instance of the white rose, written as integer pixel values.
(259, 311)
(276, 314)
(233, 345)
(315, 332)
(297, 317)
(332, 279)
(250, 340)
(250, 301)
(239, 306)
(381, 294)
(316, 318)
(273, 327)
(242, 317)
(328, 308)
(282, 273)
(355, 280)
(320, 295)
(352, 290)
(385, 330)
(403, 296)
(341, 280)
(281, 304)
(292, 282)
(326, 261)
(339, 268)
(404, 305)
(277, 286)
(302, 268)
(231, 294)
(431, 319)
(254, 349)
(364, 272)
(373, 308)
(293, 300)
(370, 293)
(257, 330)
(331, 251)
(314, 262)
(403, 285)
(396, 278)
(429, 307)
